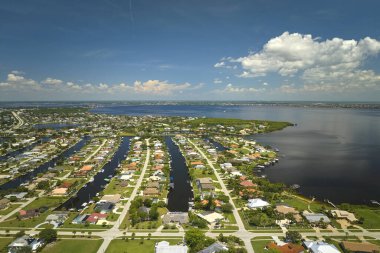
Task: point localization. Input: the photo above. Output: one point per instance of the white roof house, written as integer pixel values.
(165, 247)
(257, 203)
(320, 247)
(211, 217)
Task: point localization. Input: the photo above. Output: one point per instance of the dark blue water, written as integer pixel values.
(332, 153)
(24, 149)
(179, 197)
(54, 126)
(218, 146)
(85, 194)
(14, 183)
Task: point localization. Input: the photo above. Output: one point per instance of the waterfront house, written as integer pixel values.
(56, 219)
(257, 203)
(341, 214)
(80, 219)
(176, 217)
(111, 198)
(19, 195)
(104, 207)
(211, 217)
(165, 247)
(315, 217)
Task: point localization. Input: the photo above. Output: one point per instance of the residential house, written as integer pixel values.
(95, 217)
(286, 248)
(165, 247)
(24, 242)
(205, 186)
(257, 203)
(214, 248)
(176, 217)
(315, 217)
(151, 192)
(341, 214)
(104, 207)
(320, 247)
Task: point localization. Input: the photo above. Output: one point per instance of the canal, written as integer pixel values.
(101, 179)
(24, 149)
(218, 146)
(16, 182)
(179, 197)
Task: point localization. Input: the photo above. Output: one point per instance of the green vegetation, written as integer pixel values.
(135, 246)
(259, 245)
(71, 245)
(4, 243)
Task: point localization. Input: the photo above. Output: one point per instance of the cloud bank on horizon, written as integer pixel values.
(203, 50)
(315, 66)
(333, 65)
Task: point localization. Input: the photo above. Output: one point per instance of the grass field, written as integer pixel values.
(135, 246)
(371, 216)
(72, 245)
(259, 245)
(4, 243)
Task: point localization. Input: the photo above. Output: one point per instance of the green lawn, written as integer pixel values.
(259, 245)
(135, 246)
(371, 216)
(72, 245)
(9, 209)
(4, 243)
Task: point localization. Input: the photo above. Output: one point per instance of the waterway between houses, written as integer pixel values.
(16, 182)
(179, 197)
(101, 179)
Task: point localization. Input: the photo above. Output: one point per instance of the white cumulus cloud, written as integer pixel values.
(316, 62)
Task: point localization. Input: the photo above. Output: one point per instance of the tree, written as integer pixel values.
(74, 232)
(227, 208)
(48, 235)
(293, 236)
(195, 239)
(89, 234)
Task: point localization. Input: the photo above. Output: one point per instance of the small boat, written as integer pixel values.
(102, 171)
(91, 180)
(295, 186)
(84, 204)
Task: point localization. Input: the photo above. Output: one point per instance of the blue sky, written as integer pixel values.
(195, 50)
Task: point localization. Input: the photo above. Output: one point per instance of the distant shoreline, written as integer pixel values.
(92, 104)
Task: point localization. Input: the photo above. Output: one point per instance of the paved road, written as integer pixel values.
(3, 218)
(95, 152)
(20, 122)
(242, 231)
(114, 231)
